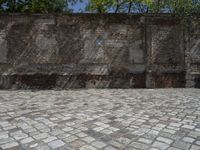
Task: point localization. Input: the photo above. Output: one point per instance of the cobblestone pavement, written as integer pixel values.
(100, 119)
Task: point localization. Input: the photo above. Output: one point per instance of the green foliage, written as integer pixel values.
(188, 11)
(46, 6)
(100, 6)
(35, 6)
(181, 7)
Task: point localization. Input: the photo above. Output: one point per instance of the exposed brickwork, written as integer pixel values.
(96, 51)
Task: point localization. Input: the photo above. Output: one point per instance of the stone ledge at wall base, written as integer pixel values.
(196, 79)
(53, 81)
(96, 51)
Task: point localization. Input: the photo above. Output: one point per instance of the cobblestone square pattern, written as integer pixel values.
(110, 119)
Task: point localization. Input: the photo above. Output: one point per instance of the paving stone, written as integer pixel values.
(34, 145)
(124, 140)
(3, 135)
(195, 147)
(113, 129)
(56, 144)
(194, 134)
(109, 148)
(149, 136)
(146, 141)
(140, 146)
(173, 148)
(40, 136)
(94, 134)
(98, 144)
(154, 132)
(18, 135)
(116, 144)
(173, 128)
(175, 124)
(188, 139)
(106, 131)
(169, 131)
(198, 142)
(9, 128)
(30, 130)
(105, 138)
(88, 139)
(45, 130)
(182, 145)
(56, 132)
(98, 129)
(34, 133)
(77, 144)
(139, 133)
(42, 147)
(6, 140)
(27, 140)
(63, 136)
(87, 147)
(160, 145)
(49, 139)
(157, 128)
(81, 135)
(12, 145)
(165, 140)
(70, 139)
(83, 128)
(188, 127)
(67, 129)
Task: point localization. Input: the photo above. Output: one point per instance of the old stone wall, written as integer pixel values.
(96, 51)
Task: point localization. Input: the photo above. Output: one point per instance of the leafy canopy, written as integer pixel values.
(145, 6)
(36, 6)
(181, 7)
(188, 11)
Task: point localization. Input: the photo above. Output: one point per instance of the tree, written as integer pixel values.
(100, 6)
(46, 6)
(1, 4)
(36, 6)
(188, 11)
(104, 6)
(145, 6)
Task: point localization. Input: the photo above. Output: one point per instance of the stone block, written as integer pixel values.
(195, 51)
(3, 43)
(3, 51)
(166, 45)
(97, 69)
(136, 53)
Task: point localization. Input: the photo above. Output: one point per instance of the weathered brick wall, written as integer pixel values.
(165, 47)
(192, 54)
(93, 50)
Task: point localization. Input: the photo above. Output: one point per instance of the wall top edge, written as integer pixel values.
(89, 14)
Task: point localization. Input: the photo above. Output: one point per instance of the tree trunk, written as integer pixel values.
(13, 6)
(130, 6)
(117, 8)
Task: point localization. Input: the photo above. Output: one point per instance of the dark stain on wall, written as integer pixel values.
(197, 81)
(170, 80)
